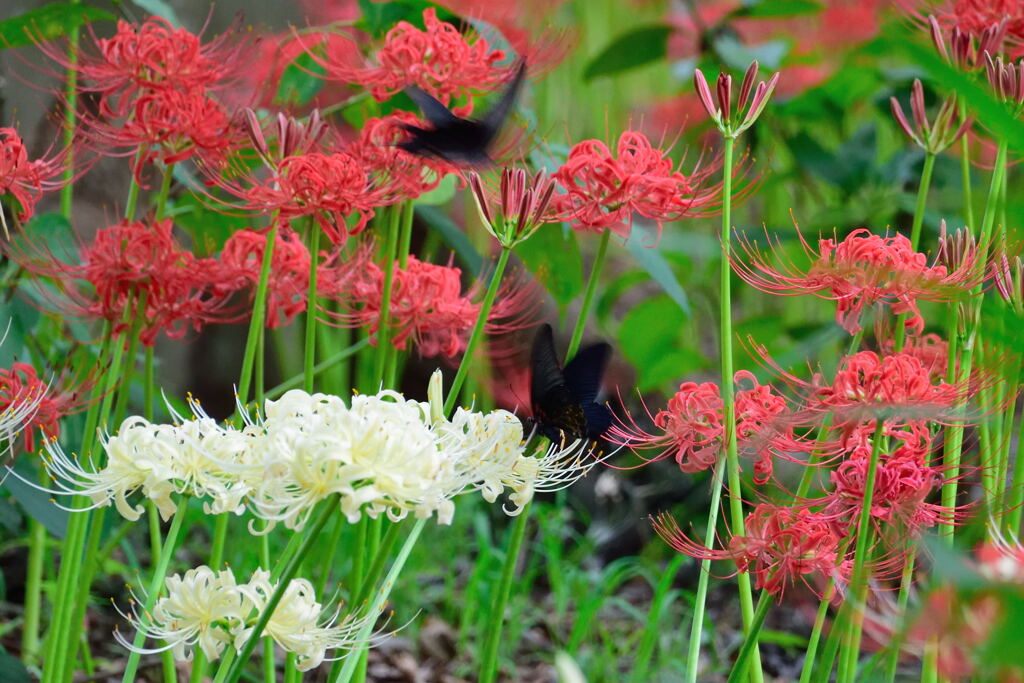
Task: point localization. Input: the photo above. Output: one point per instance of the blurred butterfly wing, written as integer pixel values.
(583, 376)
(495, 118)
(547, 373)
(435, 112)
(584, 372)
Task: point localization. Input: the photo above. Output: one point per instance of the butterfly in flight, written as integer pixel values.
(462, 142)
(563, 399)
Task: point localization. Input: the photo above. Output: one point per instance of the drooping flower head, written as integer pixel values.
(440, 60)
(603, 191)
(692, 427)
(781, 545)
(862, 270)
(521, 207)
(428, 305)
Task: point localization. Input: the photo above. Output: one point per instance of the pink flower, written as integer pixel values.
(693, 429)
(782, 545)
(428, 305)
(604, 191)
(863, 270)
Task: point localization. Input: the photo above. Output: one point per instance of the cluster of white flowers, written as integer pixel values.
(380, 454)
(211, 610)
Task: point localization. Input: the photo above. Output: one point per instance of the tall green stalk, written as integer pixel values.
(384, 321)
(858, 580)
(496, 618)
(478, 330)
(700, 600)
(729, 400)
(70, 120)
(588, 296)
(309, 357)
(156, 585)
(256, 323)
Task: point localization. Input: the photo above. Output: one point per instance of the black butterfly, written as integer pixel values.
(563, 399)
(463, 142)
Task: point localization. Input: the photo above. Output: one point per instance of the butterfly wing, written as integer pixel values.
(583, 376)
(547, 372)
(495, 118)
(435, 112)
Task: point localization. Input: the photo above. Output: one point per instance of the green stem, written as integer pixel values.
(164, 191)
(895, 644)
(296, 381)
(133, 188)
(380, 559)
(405, 241)
(496, 618)
(269, 670)
(33, 586)
(378, 602)
(819, 622)
(312, 537)
(156, 585)
(915, 234)
(965, 170)
(700, 601)
(311, 307)
(259, 309)
(384, 320)
(739, 669)
(588, 296)
(729, 400)
(148, 385)
(478, 331)
(858, 581)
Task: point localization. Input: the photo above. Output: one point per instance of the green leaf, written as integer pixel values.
(300, 81)
(12, 670)
(442, 194)
(739, 56)
(553, 256)
(774, 9)
(650, 337)
(650, 259)
(36, 503)
(630, 50)
(209, 228)
(452, 236)
(48, 22)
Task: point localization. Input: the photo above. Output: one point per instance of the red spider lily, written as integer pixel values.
(410, 174)
(693, 430)
(523, 205)
(1009, 280)
(439, 60)
(782, 545)
(150, 56)
(25, 180)
(897, 388)
(125, 264)
(292, 137)
(862, 270)
(973, 19)
(1006, 80)
(604, 191)
(21, 383)
(328, 187)
(931, 349)
(168, 125)
(932, 138)
(903, 484)
(427, 303)
(288, 283)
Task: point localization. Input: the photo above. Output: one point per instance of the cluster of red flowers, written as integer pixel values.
(428, 305)
(22, 179)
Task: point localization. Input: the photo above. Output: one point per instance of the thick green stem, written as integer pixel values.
(478, 331)
(164, 191)
(311, 307)
(311, 538)
(588, 296)
(259, 308)
(729, 401)
(915, 234)
(819, 623)
(381, 597)
(496, 618)
(739, 669)
(858, 580)
(33, 586)
(156, 585)
(380, 559)
(700, 601)
(965, 170)
(70, 115)
(895, 645)
(384, 321)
